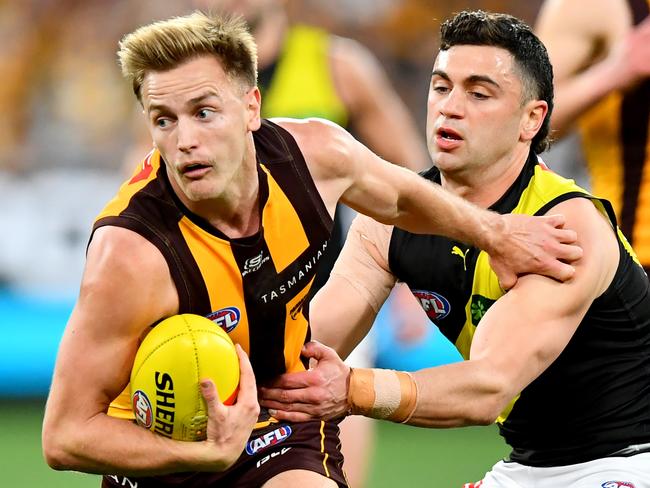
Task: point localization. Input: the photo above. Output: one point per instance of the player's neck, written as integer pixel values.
(235, 212)
(484, 188)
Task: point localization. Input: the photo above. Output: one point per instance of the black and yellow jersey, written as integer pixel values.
(300, 84)
(616, 144)
(595, 398)
(253, 287)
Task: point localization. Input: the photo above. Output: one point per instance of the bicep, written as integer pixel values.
(345, 170)
(118, 301)
(527, 329)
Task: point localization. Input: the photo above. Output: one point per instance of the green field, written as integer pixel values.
(404, 456)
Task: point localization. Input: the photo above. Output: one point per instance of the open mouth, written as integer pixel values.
(193, 167)
(449, 135)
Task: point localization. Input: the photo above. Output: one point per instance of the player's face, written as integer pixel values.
(201, 121)
(475, 115)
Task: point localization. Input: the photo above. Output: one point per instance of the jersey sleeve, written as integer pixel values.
(363, 262)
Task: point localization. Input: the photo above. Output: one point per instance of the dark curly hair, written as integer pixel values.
(531, 59)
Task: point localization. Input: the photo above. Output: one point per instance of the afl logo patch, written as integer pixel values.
(226, 318)
(435, 305)
(267, 440)
(142, 409)
(617, 484)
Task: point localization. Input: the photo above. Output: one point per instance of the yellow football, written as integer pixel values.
(173, 357)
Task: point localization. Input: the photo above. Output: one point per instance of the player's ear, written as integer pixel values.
(253, 99)
(533, 117)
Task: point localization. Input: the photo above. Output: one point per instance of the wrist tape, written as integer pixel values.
(382, 394)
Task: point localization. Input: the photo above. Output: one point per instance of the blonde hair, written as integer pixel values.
(165, 44)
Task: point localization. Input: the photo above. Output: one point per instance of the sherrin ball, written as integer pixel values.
(176, 354)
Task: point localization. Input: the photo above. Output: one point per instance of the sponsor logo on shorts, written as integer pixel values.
(142, 409)
(267, 440)
(271, 455)
(435, 305)
(226, 318)
(123, 481)
(617, 484)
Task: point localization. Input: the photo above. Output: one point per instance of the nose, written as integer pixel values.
(186, 135)
(452, 105)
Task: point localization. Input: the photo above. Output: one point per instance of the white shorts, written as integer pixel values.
(609, 472)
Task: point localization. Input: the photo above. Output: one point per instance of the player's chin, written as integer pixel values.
(198, 191)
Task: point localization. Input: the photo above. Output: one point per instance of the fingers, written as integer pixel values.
(301, 379)
(568, 252)
(209, 392)
(561, 271)
(565, 236)
(283, 396)
(247, 385)
(291, 416)
(318, 351)
(555, 220)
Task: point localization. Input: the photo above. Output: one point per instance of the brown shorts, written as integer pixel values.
(271, 450)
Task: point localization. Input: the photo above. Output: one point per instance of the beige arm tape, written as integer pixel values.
(382, 394)
(363, 261)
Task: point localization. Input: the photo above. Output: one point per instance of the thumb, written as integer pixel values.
(507, 279)
(316, 350)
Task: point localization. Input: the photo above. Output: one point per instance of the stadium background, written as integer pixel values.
(66, 124)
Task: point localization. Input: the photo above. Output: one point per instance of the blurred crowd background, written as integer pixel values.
(68, 119)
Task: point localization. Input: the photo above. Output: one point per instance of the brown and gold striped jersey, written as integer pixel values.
(616, 145)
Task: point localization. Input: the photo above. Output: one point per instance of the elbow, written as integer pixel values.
(489, 406)
(54, 455)
(57, 450)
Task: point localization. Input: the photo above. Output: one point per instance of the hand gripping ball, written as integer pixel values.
(173, 357)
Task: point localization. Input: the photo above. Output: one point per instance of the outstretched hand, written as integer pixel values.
(229, 427)
(538, 245)
(318, 393)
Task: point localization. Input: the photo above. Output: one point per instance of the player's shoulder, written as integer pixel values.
(121, 250)
(123, 267)
(325, 145)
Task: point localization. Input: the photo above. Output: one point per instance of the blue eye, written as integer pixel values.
(162, 123)
(204, 113)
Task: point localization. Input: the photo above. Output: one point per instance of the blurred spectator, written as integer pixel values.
(601, 61)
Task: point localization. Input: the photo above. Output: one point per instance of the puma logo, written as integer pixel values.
(458, 252)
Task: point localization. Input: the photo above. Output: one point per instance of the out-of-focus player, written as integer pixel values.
(600, 53)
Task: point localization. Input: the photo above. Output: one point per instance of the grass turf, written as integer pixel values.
(404, 456)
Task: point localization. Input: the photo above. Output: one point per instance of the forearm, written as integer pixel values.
(457, 395)
(105, 445)
(577, 94)
(427, 208)
(446, 396)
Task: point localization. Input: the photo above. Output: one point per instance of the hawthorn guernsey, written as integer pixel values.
(172, 359)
